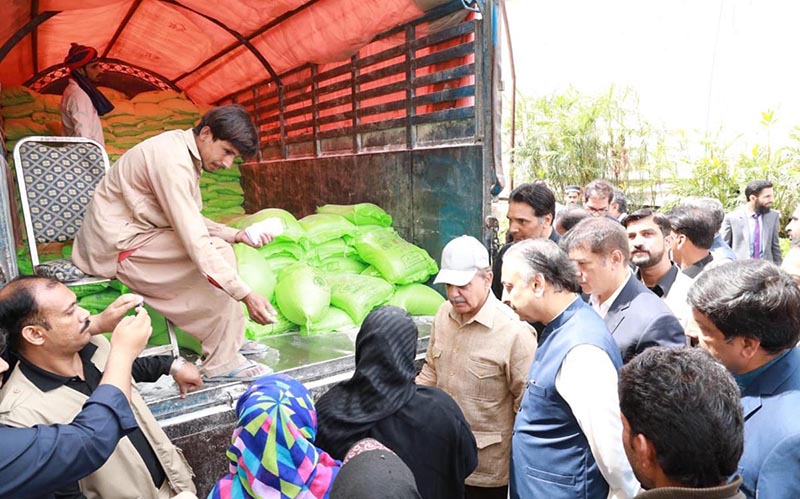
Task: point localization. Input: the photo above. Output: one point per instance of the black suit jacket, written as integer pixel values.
(639, 319)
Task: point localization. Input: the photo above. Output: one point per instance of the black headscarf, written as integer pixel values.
(373, 472)
(382, 383)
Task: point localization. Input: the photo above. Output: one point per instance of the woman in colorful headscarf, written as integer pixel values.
(82, 103)
(272, 452)
(421, 424)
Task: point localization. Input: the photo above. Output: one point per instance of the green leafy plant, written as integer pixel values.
(571, 138)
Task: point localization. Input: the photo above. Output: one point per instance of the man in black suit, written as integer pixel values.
(635, 316)
(531, 213)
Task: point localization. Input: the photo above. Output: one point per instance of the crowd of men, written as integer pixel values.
(619, 284)
(601, 354)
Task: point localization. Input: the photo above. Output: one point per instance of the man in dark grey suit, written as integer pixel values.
(752, 230)
(634, 315)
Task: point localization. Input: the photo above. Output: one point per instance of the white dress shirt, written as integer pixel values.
(587, 380)
(602, 308)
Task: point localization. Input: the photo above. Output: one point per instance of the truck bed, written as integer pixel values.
(201, 424)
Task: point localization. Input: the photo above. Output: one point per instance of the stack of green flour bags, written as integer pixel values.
(327, 271)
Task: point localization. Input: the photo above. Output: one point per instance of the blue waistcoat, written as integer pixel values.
(550, 456)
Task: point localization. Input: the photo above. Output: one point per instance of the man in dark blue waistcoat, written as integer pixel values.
(567, 438)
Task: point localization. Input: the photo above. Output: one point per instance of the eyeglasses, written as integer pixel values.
(597, 211)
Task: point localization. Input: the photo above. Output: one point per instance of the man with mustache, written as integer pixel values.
(61, 363)
(82, 103)
(752, 230)
(649, 237)
(36, 461)
(531, 213)
(748, 313)
(144, 228)
(479, 353)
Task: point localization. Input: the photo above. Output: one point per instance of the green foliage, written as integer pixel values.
(711, 175)
(571, 138)
(721, 175)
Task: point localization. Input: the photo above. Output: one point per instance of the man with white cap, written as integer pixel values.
(479, 353)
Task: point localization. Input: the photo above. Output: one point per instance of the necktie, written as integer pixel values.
(757, 239)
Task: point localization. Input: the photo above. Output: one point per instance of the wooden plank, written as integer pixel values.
(459, 113)
(445, 95)
(445, 75)
(445, 55)
(444, 35)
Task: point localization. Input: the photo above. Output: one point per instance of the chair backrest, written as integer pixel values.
(57, 177)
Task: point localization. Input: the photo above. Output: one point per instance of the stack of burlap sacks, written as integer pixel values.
(27, 112)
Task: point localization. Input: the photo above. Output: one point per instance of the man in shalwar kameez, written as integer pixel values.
(82, 103)
(144, 228)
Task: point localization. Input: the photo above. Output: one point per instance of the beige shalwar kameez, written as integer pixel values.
(144, 228)
(78, 116)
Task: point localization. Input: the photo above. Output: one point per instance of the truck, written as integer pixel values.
(396, 103)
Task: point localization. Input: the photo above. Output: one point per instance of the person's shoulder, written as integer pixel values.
(684, 282)
(643, 297)
(19, 399)
(171, 137)
(775, 477)
(502, 312)
(634, 296)
(506, 320)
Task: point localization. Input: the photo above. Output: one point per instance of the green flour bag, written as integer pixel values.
(302, 294)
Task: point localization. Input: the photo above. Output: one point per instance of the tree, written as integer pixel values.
(571, 138)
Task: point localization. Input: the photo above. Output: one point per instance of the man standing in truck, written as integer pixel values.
(144, 228)
(82, 103)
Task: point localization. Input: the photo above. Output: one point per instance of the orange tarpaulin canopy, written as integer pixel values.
(207, 48)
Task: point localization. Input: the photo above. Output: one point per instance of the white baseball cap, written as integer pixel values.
(462, 258)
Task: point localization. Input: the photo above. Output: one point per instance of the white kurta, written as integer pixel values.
(78, 116)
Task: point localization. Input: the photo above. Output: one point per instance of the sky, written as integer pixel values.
(695, 64)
